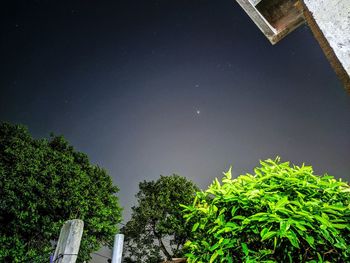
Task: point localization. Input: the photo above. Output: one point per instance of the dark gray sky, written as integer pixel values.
(154, 87)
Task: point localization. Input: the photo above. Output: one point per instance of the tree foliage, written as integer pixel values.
(157, 227)
(43, 183)
(282, 213)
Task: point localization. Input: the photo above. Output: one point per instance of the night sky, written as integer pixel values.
(154, 87)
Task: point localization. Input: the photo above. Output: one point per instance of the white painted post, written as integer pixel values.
(67, 248)
(118, 248)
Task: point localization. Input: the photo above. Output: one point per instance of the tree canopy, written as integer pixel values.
(43, 183)
(157, 228)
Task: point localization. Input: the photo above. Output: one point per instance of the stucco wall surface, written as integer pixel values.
(333, 19)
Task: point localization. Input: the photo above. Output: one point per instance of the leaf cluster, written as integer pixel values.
(282, 213)
(43, 183)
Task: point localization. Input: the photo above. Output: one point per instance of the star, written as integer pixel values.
(198, 112)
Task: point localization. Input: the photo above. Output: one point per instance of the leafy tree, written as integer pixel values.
(282, 213)
(157, 226)
(43, 183)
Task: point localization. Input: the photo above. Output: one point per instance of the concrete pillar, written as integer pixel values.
(67, 248)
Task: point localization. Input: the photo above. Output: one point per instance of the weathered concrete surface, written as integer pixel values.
(330, 22)
(275, 18)
(69, 241)
(254, 2)
(257, 18)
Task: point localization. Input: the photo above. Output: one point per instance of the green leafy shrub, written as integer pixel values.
(282, 213)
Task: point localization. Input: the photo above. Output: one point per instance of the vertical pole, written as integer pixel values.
(118, 248)
(67, 248)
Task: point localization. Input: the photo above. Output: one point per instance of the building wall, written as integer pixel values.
(330, 23)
